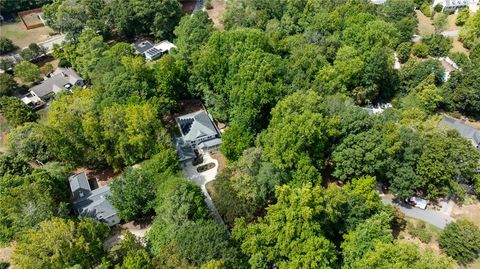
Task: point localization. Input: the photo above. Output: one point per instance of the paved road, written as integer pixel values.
(431, 216)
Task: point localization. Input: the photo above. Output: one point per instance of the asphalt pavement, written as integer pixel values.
(431, 216)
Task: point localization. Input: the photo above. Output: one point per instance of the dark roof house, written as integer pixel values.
(61, 79)
(468, 132)
(92, 203)
(198, 133)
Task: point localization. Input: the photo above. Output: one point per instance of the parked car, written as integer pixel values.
(417, 202)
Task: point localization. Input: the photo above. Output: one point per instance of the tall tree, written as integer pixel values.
(461, 241)
(296, 241)
(60, 243)
(15, 111)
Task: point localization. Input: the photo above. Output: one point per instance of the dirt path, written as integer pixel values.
(216, 13)
(425, 26)
(6, 253)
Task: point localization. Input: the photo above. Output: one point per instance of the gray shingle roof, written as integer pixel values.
(184, 150)
(210, 143)
(57, 82)
(196, 125)
(79, 186)
(466, 131)
(91, 203)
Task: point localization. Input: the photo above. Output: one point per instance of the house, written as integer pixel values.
(60, 80)
(456, 4)
(468, 132)
(199, 133)
(153, 52)
(449, 65)
(92, 203)
(377, 109)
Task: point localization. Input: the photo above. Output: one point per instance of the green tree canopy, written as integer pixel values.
(27, 71)
(15, 111)
(60, 243)
(461, 241)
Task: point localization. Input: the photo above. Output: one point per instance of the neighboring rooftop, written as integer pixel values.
(454, 4)
(465, 130)
(152, 52)
(142, 46)
(92, 203)
(62, 78)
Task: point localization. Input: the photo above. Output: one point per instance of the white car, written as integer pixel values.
(417, 202)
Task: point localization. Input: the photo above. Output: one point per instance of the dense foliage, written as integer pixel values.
(293, 81)
(461, 240)
(6, 45)
(60, 243)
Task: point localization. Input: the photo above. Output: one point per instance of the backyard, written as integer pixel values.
(425, 27)
(216, 13)
(22, 37)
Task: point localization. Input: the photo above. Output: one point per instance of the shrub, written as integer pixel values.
(6, 63)
(438, 45)
(27, 71)
(7, 84)
(438, 8)
(403, 51)
(420, 231)
(462, 16)
(6, 45)
(420, 50)
(426, 10)
(448, 11)
(440, 21)
(47, 69)
(4, 265)
(64, 63)
(461, 241)
(208, 4)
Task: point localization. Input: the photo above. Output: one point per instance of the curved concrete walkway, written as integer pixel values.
(201, 179)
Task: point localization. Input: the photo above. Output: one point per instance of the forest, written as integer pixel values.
(291, 80)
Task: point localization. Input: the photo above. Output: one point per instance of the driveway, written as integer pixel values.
(201, 179)
(451, 33)
(434, 217)
(49, 43)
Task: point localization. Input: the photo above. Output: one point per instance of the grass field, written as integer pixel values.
(23, 37)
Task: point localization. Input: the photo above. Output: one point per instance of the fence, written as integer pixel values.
(31, 18)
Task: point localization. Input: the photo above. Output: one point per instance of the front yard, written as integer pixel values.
(22, 37)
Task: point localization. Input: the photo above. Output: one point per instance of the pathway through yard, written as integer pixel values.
(201, 179)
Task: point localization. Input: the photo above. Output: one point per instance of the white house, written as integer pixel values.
(153, 52)
(456, 4)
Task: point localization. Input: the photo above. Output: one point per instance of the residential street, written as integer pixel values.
(433, 217)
